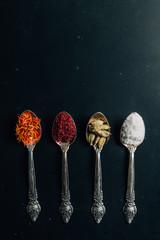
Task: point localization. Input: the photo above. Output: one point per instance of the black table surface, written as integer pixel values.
(81, 57)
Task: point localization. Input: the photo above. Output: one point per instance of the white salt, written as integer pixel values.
(133, 130)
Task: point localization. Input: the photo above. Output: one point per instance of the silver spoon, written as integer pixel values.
(66, 208)
(98, 209)
(33, 207)
(131, 135)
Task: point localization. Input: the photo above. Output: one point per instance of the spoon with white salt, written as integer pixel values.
(131, 135)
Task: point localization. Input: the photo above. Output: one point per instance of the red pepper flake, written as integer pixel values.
(64, 129)
(28, 129)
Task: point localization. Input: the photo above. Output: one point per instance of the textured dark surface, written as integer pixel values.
(81, 57)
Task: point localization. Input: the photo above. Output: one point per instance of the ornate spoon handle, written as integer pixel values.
(33, 207)
(129, 208)
(65, 208)
(98, 209)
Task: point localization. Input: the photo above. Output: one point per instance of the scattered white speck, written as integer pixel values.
(19, 107)
(77, 67)
(121, 74)
(49, 219)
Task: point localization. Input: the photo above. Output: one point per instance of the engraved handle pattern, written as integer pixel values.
(33, 207)
(98, 209)
(129, 208)
(65, 208)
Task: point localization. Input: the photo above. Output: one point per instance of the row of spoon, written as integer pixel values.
(132, 134)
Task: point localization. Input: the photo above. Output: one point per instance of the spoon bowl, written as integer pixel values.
(97, 116)
(62, 144)
(133, 130)
(30, 144)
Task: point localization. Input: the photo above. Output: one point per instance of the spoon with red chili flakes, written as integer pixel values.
(64, 133)
(28, 131)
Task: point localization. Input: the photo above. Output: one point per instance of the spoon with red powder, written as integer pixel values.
(28, 131)
(64, 133)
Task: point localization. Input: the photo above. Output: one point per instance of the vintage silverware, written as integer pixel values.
(132, 134)
(98, 209)
(33, 207)
(66, 208)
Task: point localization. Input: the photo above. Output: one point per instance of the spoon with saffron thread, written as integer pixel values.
(33, 207)
(64, 134)
(132, 134)
(97, 134)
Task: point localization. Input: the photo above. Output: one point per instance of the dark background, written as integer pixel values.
(79, 56)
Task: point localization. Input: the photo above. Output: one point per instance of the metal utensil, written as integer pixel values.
(33, 207)
(66, 208)
(131, 135)
(98, 209)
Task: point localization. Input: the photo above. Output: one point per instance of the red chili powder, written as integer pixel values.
(64, 128)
